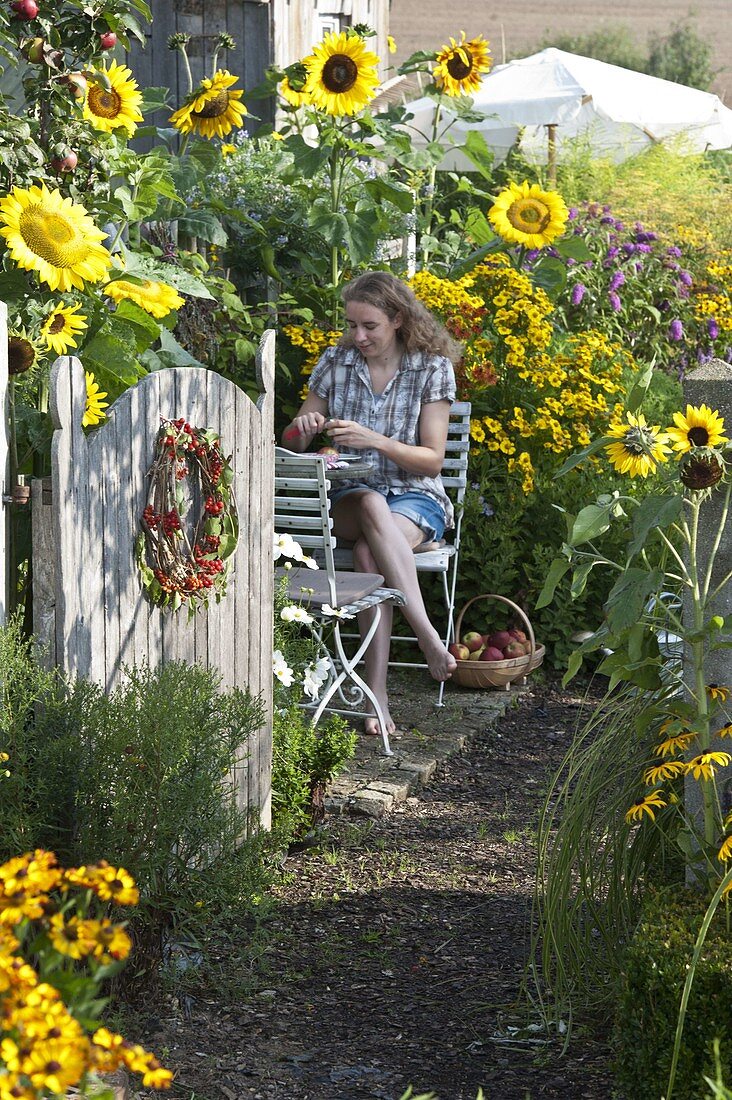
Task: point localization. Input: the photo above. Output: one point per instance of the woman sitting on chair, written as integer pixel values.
(385, 391)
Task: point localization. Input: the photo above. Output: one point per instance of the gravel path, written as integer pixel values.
(392, 954)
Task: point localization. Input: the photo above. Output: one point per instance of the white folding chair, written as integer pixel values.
(442, 557)
(302, 509)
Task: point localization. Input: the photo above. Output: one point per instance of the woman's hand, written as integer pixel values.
(347, 433)
(308, 424)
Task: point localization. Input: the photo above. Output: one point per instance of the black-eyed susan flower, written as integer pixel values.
(726, 731)
(214, 109)
(647, 805)
(670, 769)
(702, 766)
(698, 427)
(157, 299)
(61, 327)
(342, 74)
(524, 214)
(95, 403)
(676, 743)
(113, 100)
(725, 852)
(54, 236)
(639, 448)
(718, 692)
(460, 65)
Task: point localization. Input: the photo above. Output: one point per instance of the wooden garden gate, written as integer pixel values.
(98, 619)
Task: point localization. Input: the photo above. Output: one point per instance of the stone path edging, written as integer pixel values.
(374, 784)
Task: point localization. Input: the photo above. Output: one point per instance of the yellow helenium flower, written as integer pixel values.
(61, 326)
(647, 805)
(113, 100)
(700, 427)
(639, 448)
(702, 766)
(157, 299)
(524, 214)
(94, 410)
(460, 65)
(342, 74)
(213, 110)
(54, 236)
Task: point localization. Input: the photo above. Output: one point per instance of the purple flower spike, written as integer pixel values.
(712, 328)
(607, 220)
(617, 280)
(673, 251)
(676, 330)
(614, 301)
(643, 248)
(612, 252)
(685, 278)
(629, 248)
(578, 292)
(572, 213)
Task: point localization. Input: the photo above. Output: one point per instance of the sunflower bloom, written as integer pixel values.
(676, 743)
(95, 405)
(702, 766)
(54, 236)
(725, 852)
(294, 97)
(157, 299)
(213, 110)
(113, 100)
(699, 427)
(670, 769)
(647, 805)
(639, 447)
(460, 65)
(24, 352)
(524, 214)
(342, 76)
(61, 326)
(718, 692)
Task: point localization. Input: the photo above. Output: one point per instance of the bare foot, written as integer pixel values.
(440, 663)
(371, 726)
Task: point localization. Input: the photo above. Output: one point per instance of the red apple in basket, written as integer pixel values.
(473, 640)
(517, 635)
(527, 646)
(459, 652)
(513, 649)
(500, 639)
(490, 653)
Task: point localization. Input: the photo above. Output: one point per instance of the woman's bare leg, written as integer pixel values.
(376, 659)
(391, 539)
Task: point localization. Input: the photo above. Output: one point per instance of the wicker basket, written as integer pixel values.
(497, 674)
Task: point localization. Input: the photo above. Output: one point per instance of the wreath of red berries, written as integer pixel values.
(183, 564)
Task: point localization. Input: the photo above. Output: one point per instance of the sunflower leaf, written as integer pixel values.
(653, 511)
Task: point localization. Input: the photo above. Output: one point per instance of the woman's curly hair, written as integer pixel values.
(419, 330)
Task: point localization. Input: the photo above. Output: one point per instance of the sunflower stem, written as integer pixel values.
(187, 64)
(429, 206)
(13, 434)
(697, 656)
(721, 527)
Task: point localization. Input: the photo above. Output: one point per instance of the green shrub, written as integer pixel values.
(655, 968)
(304, 760)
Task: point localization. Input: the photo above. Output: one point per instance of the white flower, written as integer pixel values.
(281, 669)
(293, 613)
(285, 547)
(336, 612)
(309, 562)
(315, 676)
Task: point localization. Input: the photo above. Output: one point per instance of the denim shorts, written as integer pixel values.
(423, 510)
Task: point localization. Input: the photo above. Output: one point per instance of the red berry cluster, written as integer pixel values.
(171, 522)
(150, 516)
(214, 505)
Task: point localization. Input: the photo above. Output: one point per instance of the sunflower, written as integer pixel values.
(157, 299)
(524, 214)
(54, 236)
(699, 470)
(23, 352)
(293, 97)
(113, 100)
(639, 447)
(646, 805)
(93, 413)
(460, 65)
(700, 427)
(702, 766)
(342, 76)
(212, 110)
(61, 326)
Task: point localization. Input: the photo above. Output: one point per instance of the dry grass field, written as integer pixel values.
(514, 28)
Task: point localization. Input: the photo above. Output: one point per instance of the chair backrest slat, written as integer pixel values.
(302, 507)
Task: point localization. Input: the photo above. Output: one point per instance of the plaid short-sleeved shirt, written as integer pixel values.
(341, 377)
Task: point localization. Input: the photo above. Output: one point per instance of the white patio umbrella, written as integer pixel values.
(555, 96)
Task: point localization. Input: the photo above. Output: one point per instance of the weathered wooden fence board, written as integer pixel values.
(5, 486)
(103, 621)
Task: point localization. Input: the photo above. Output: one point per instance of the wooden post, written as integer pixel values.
(551, 154)
(711, 385)
(4, 479)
